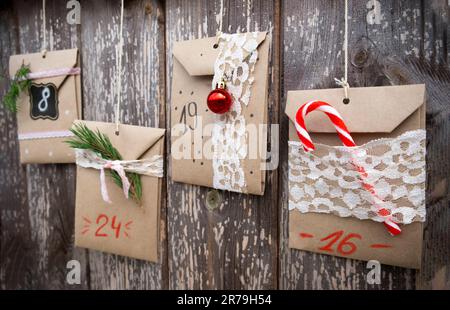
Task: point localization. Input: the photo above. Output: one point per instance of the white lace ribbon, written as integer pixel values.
(238, 54)
(325, 181)
(150, 166)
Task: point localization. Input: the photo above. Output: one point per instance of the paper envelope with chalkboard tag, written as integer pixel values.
(47, 110)
(219, 95)
(123, 220)
(366, 199)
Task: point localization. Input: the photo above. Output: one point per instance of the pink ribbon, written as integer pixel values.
(53, 72)
(116, 166)
(44, 135)
(149, 166)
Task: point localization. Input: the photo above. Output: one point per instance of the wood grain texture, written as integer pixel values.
(313, 30)
(242, 243)
(235, 244)
(50, 188)
(15, 259)
(143, 93)
(436, 257)
(434, 70)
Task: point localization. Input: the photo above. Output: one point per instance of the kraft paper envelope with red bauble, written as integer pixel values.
(47, 110)
(335, 191)
(220, 156)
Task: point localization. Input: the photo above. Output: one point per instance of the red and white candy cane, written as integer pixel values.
(347, 140)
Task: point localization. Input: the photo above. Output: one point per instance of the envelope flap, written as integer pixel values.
(198, 56)
(133, 141)
(52, 60)
(371, 109)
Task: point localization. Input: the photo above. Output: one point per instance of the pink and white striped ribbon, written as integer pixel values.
(116, 166)
(347, 140)
(53, 73)
(152, 166)
(44, 135)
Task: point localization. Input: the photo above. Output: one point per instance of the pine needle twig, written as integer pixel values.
(99, 143)
(19, 84)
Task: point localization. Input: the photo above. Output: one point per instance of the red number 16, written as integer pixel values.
(345, 247)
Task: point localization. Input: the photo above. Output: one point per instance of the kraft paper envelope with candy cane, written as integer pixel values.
(198, 66)
(46, 113)
(345, 201)
(122, 226)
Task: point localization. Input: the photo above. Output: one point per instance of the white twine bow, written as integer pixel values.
(344, 84)
(116, 166)
(150, 166)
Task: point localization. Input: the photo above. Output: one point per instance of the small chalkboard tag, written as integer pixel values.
(44, 101)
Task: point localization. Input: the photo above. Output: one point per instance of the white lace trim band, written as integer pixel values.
(236, 61)
(44, 135)
(324, 181)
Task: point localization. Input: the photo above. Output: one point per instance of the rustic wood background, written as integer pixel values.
(228, 240)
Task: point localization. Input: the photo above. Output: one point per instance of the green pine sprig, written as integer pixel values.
(19, 84)
(98, 142)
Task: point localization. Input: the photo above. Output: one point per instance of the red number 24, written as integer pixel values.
(103, 220)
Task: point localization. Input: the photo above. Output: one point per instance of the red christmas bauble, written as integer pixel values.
(219, 101)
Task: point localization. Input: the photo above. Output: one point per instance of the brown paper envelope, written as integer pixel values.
(50, 150)
(373, 113)
(138, 236)
(193, 69)
(403, 250)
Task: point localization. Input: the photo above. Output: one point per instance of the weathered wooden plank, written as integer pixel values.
(235, 244)
(436, 252)
(312, 57)
(50, 188)
(421, 57)
(142, 104)
(15, 259)
(434, 70)
(435, 19)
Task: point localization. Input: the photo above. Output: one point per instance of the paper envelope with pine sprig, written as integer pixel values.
(220, 156)
(333, 209)
(47, 110)
(122, 226)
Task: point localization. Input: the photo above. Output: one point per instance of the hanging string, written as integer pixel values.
(44, 45)
(344, 81)
(219, 30)
(346, 44)
(119, 69)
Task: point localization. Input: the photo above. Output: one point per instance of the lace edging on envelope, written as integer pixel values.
(325, 182)
(237, 59)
